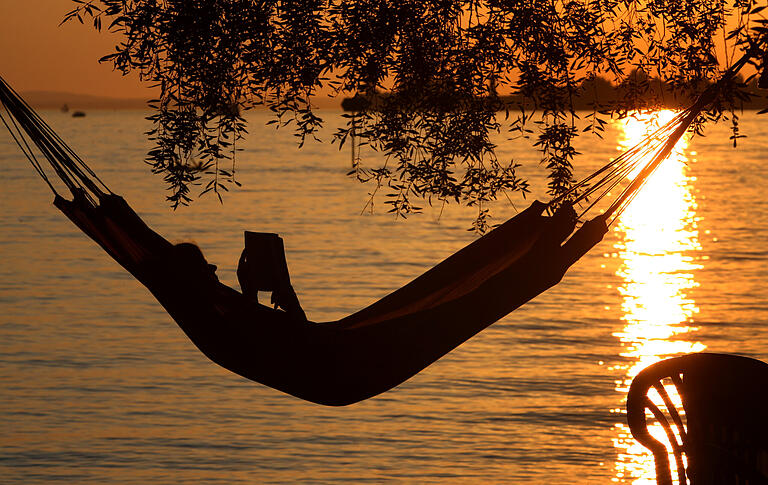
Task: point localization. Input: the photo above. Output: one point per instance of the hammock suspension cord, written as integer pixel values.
(20, 118)
(648, 154)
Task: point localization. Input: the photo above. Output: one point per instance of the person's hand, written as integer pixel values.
(288, 301)
(284, 298)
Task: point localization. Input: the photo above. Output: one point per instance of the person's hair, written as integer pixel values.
(189, 252)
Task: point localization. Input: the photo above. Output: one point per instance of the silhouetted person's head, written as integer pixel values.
(193, 260)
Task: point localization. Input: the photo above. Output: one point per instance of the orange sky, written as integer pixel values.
(37, 54)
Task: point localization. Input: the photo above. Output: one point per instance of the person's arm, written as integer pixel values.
(244, 280)
(283, 297)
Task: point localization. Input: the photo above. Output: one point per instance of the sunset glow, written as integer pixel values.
(657, 242)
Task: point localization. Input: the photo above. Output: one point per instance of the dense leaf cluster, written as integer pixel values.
(433, 78)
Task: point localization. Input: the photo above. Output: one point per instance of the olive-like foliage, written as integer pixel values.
(433, 83)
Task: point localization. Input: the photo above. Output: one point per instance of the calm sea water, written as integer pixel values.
(98, 385)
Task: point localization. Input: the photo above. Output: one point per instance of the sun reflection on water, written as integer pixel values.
(657, 237)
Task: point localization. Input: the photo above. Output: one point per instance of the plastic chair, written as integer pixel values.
(720, 434)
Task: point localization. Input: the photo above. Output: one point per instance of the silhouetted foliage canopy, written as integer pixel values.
(438, 79)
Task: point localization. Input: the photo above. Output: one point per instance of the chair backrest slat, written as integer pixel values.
(722, 424)
(677, 448)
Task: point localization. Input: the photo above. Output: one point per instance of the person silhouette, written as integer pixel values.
(262, 267)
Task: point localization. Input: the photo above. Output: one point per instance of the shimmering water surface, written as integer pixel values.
(98, 385)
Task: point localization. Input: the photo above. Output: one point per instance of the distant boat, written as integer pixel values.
(78, 114)
(65, 108)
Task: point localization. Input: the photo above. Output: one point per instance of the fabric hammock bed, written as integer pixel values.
(379, 347)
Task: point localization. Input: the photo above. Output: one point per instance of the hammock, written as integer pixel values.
(378, 347)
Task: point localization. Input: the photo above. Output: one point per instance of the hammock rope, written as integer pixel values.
(648, 153)
(25, 124)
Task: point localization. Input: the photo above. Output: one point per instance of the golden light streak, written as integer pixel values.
(657, 239)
